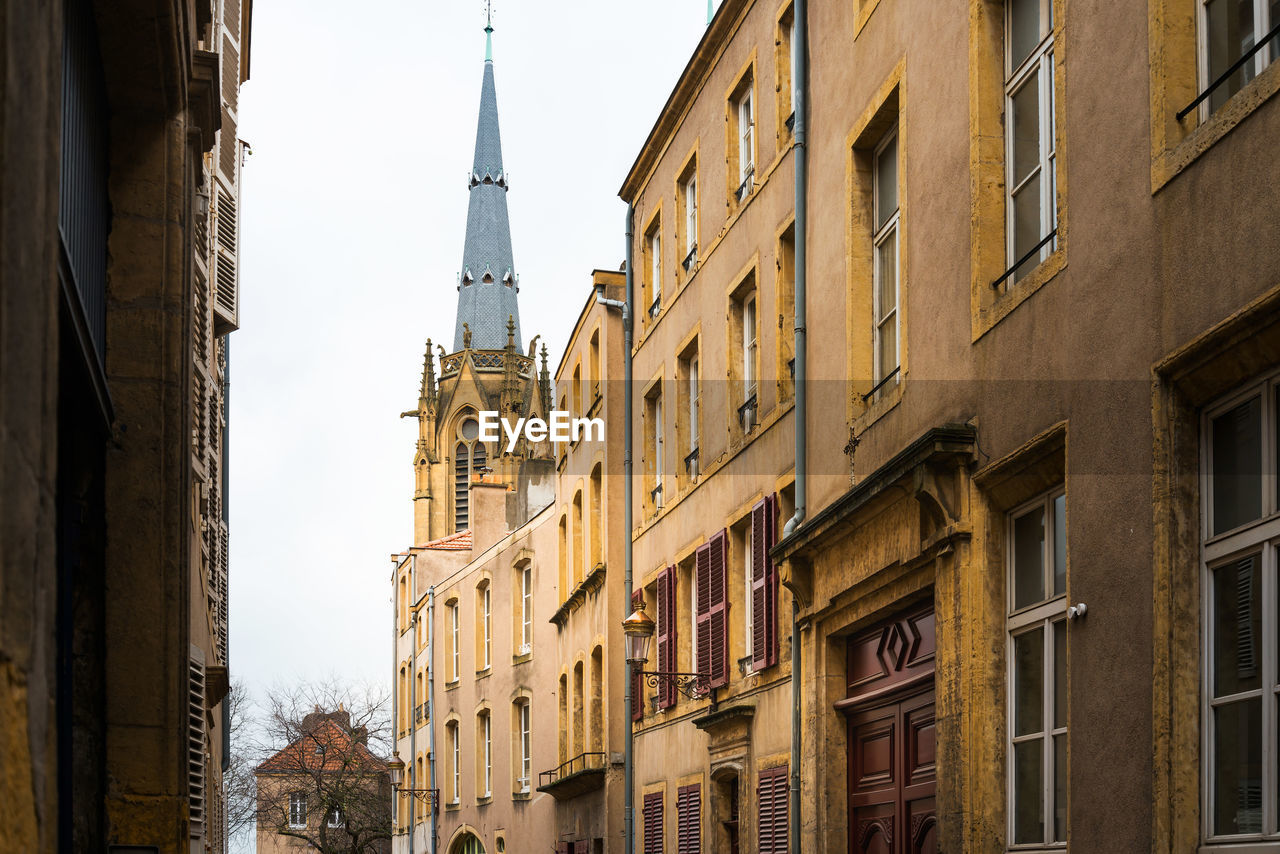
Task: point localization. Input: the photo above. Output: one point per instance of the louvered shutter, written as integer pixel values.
(766, 654)
(667, 635)
(689, 820)
(718, 616)
(196, 742)
(759, 588)
(771, 811)
(226, 263)
(637, 682)
(563, 848)
(702, 615)
(653, 823)
(582, 846)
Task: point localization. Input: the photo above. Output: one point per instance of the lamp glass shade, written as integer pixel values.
(396, 768)
(638, 629)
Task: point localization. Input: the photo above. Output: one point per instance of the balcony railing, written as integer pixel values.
(691, 463)
(592, 761)
(747, 413)
(1226, 75)
(691, 258)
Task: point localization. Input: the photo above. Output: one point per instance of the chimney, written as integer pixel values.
(488, 512)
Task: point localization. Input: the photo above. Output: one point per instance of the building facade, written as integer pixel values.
(119, 261)
(1034, 576)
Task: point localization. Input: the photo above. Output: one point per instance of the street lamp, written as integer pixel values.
(396, 769)
(638, 629)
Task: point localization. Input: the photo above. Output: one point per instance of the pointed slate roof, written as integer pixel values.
(487, 286)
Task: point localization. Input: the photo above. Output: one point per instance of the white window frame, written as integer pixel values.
(455, 732)
(335, 818)
(455, 633)
(524, 717)
(694, 390)
(746, 136)
(486, 603)
(889, 230)
(1041, 60)
(526, 609)
(657, 451)
(1260, 537)
(655, 269)
(486, 729)
(1043, 615)
(750, 346)
(297, 806)
(691, 214)
(791, 49)
(1262, 25)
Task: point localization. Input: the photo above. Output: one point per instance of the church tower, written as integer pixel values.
(487, 370)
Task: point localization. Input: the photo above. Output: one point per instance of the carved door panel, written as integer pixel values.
(892, 738)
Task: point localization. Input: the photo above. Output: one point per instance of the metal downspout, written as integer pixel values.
(226, 522)
(628, 747)
(395, 668)
(800, 84)
(431, 709)
(413, 724)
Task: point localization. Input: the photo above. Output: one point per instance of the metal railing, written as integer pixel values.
(1226, 75)
(591, 761)
(747, 413)
(875, 388)
(1025, 258)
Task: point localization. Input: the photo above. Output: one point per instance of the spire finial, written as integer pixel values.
(488, 30)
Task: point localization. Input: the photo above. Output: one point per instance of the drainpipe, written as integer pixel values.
(226, 522)
(413, 703)
(628, 701)
(801, 88)
(431, 710)
(395, 663)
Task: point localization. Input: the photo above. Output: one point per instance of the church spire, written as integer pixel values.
(488, 286)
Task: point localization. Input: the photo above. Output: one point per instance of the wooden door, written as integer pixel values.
(892, 743)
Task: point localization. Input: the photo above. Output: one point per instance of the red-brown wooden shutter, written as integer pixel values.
(718, 556)
(759, 587)
(702, 619)
(653, 823)
(771, 811)
(563, 848)
(667, 635)
(637, 683)
(771, 581)
(689, 820)
(582, 846)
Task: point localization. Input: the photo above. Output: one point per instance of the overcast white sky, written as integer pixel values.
(362, 119)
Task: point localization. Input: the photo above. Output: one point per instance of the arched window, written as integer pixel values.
(596, 741)
(579, 555)
(565, 588)
(468, 455)
(596, 529)
(467, 844)
(523, 590)
(564, 718)
(577, 710)
(484, 625)
(484, 754)
(522, 748)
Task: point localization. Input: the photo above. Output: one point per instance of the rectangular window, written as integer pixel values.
(652, 820)
(688, 427)
(1037, 756)
(455, 657)
(486, 618)
(526, 609)
(655, 446)
(885, 240)
(785, 63)
(526, 749)
(689, 819)
(745, 364)
(746, 143)
(455, 748)
(1228, 30)
(771, 811)
(653, 267)
(486, 741)
(297, 810)
(762, 581)
(336, 819)
(1240, 707)
(691, 217)
(711, 614)
(1031, 130)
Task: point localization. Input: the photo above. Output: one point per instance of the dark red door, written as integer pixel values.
(892, 743)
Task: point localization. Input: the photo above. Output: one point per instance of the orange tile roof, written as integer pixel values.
(339, 750)
(458, 542)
